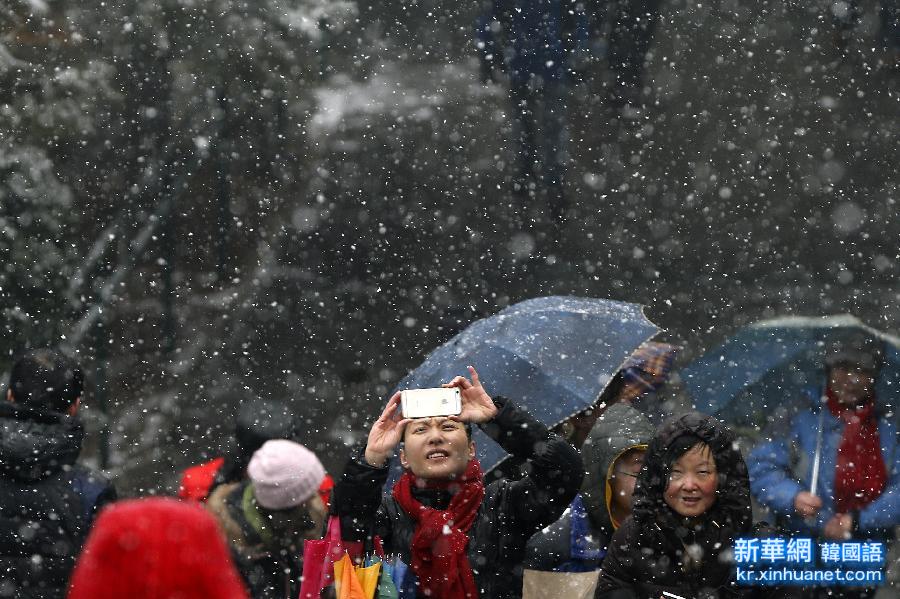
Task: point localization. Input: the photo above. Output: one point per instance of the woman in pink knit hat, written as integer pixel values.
(268, 516)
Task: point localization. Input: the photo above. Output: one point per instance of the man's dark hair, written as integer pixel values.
(466, 425)
(45, 379)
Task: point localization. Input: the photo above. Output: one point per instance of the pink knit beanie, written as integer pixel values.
(284, 474)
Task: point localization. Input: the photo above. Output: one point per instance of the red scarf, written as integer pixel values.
(860, 475)
(439, 545)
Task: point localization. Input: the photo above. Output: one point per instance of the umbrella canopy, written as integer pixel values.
(766, 371)
(551, 355)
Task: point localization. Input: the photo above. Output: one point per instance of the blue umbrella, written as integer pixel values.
(551, 355)
(763, 374)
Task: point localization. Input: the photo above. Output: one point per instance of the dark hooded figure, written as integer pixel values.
(613, 454)
(692, 499)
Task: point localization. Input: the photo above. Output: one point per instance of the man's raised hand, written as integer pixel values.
(386, 433)
(477, 405)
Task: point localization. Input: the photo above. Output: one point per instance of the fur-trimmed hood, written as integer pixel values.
(729, 516)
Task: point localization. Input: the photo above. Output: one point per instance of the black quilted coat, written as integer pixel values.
(657, 550)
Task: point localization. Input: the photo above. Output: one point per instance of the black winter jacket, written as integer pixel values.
(509, 514)
(656, 550)
(47, 502)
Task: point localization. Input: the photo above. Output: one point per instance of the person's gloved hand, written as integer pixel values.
(386, 433)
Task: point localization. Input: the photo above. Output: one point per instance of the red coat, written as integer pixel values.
(155, 548)
(197, 481)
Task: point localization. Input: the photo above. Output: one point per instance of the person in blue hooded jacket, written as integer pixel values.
(857, 491)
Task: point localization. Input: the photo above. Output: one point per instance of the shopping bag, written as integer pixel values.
(559, 585)
(319, 557)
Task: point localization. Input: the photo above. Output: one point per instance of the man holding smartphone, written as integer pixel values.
(461, 539)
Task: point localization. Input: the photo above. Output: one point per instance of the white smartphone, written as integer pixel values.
(423, 403)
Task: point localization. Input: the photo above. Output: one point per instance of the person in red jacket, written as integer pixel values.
(256, 422)
(155, 548)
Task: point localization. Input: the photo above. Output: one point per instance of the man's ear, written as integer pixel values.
(471, 450)
(73, 409)
(9, 396)
(403, 461)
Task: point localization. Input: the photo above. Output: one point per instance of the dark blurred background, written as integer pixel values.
(211, 200)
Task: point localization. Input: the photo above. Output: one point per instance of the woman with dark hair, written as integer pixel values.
(692, 499)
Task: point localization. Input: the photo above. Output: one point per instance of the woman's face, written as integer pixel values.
(851, 385)
(693, 481)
